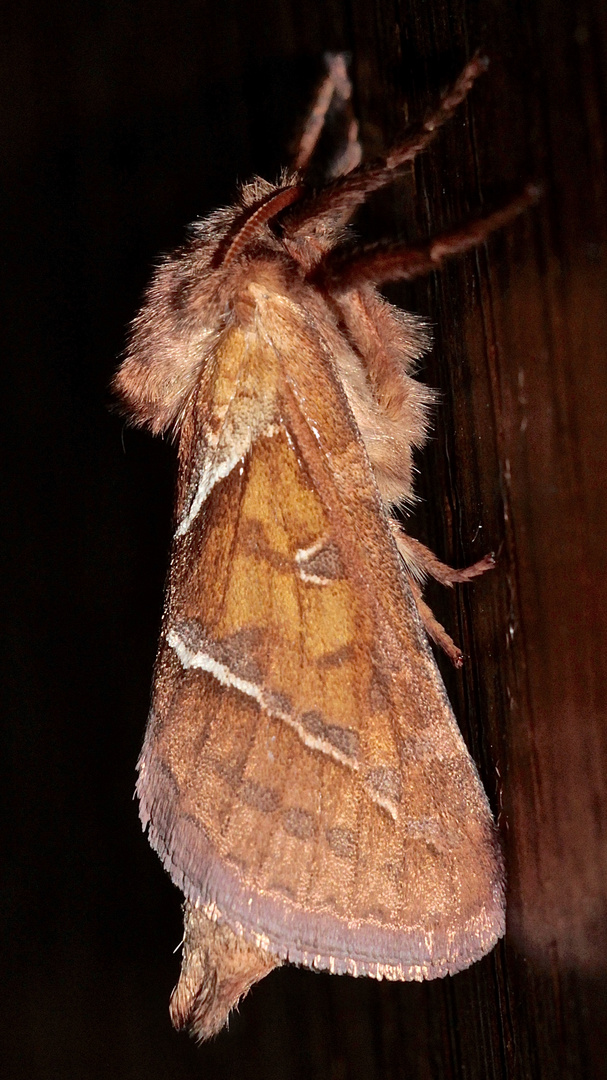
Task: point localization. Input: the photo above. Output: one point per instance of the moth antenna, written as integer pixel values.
(333, 95)
(257, 216)
(342, 198)
(403, 262)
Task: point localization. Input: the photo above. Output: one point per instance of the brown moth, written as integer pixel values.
(303, 778)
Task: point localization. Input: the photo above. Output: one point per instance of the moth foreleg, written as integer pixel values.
(420, 138)
(342, 198)
(334, 95)
(380, 263)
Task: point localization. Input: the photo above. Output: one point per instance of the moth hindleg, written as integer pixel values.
(420, 562)
(424, 562)
(433, 628)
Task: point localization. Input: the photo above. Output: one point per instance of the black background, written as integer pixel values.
(121, 122)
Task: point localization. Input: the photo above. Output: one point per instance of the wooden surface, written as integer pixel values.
(120, 125)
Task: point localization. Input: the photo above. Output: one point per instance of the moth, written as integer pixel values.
(303, 778)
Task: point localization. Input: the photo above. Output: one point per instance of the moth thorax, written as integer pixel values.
(258, 280)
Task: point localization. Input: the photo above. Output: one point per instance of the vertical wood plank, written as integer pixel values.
(121, 125)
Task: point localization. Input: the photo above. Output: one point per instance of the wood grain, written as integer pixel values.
(121, 127)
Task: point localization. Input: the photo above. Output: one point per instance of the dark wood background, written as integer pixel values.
(121, 122)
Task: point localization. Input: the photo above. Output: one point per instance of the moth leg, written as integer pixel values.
(433, 628)
(334, 95)
(341, 199)
(343, 271)
(422, 562)
(419, 563)
(217, 969)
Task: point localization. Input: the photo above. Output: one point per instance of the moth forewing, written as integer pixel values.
(306, 782)
(302, 776)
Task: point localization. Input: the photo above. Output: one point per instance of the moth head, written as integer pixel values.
(199, 291)
(287, 237)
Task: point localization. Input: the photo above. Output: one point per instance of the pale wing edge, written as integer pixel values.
(281, 928)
